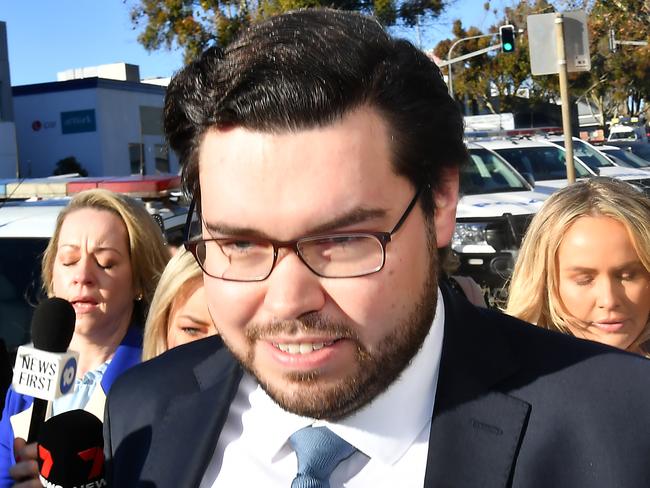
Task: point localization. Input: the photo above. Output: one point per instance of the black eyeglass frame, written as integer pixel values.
(383, 237)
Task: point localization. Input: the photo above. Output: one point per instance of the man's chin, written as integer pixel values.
(309, 394)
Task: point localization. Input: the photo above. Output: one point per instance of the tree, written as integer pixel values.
(193, 25)
(618, 83)
(495, 76)
(69, 165)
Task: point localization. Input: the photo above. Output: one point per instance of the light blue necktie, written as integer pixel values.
(319, 451)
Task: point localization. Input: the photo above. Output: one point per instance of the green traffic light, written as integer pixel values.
(507, 46)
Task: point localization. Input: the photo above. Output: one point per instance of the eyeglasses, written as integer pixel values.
(337, 255)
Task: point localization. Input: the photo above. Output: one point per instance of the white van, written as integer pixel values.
(627, 133)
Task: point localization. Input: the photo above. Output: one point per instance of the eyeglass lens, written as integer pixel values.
(337, 256)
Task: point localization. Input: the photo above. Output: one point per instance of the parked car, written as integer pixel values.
(537, 160)
(624, 157)
(597, 161)
(627, 133)
(641, 149)
(545, 161)
(494, 210)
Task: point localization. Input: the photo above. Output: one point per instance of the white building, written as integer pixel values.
(8, 150)
(112, 127)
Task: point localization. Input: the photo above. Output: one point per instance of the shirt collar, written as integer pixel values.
(383, 429)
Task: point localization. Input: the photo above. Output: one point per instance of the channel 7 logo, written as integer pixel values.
(93, 455)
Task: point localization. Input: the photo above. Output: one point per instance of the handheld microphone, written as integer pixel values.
(45, 370)
(71, 451)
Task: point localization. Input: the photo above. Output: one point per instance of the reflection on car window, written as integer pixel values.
(627, 158)
(487, 173)
(19, 287)
(588, 155)
(641, 150)
(544, 163)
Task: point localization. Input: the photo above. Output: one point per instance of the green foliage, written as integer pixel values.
(618, 83)
(68, 166)
(193, 25)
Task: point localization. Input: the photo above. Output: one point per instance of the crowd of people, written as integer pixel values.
(337, 348)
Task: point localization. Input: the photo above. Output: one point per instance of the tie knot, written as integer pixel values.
(319, 451)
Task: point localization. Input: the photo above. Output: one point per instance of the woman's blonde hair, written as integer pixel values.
(534, 287)
(147, 249)
(181, 271)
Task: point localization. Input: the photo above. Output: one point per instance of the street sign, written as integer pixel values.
(542, 42)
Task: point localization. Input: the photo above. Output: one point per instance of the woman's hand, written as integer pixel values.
(25, 471)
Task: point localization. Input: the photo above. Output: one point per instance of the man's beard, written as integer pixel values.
(373, 371)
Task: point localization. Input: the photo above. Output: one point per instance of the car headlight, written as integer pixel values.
(470, 237)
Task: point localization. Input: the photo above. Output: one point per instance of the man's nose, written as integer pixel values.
(292, 288)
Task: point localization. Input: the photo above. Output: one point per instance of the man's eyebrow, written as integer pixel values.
(354, 217)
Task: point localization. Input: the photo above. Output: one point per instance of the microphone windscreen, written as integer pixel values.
(71, 450)
(53, 325)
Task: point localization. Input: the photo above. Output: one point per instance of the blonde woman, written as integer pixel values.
(584, 265)
(104, 257)
(178, 313)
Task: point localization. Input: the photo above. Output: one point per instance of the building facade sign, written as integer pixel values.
(78, 121)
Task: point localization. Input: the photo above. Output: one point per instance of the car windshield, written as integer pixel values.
(588, 155)
(627, 135)
(19, 287)
(627, 158)
(488, 173)
(543, 162)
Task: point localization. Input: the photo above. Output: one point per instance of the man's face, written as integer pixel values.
(321, 347)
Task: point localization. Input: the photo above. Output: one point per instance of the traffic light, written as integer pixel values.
(507, 33)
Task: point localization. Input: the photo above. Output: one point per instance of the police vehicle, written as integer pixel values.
(538, 161)
(28, 212)
(602, 165)
(544, 161)
(624, 157)
(494, 211)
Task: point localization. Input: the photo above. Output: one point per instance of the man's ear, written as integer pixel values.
(445, 198)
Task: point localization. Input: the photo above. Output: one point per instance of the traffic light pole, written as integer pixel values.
(450, 61)
(564, 95)
(613, 42)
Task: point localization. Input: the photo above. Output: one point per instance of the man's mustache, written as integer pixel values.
(306, 324)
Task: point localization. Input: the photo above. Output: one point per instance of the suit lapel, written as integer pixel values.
(476, 430)
(184, 444)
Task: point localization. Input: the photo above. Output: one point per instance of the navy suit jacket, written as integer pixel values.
(516, 406)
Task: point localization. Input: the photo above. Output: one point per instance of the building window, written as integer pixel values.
(136, 158)
(162, 158)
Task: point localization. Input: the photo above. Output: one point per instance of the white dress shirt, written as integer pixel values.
(391, 433)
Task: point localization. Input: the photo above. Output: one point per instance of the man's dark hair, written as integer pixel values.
(309, 68)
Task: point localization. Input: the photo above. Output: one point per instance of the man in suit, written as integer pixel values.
(324, 157)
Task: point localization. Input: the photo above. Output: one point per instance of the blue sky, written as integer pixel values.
(48, 36)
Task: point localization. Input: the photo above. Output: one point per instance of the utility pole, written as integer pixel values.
(564, 95)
